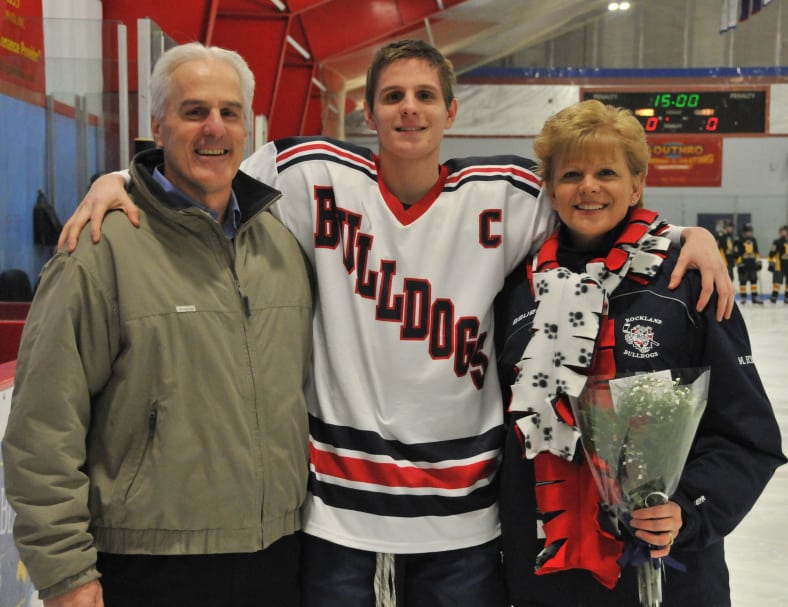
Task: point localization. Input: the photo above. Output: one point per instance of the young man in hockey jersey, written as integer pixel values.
(406, 419)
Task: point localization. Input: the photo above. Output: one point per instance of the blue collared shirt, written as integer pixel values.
(232, 219)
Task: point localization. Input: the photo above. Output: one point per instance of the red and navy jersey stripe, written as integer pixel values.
(294, 150)
(516, 170)
(360, 470)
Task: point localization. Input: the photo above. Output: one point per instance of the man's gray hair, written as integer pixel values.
(195, 51)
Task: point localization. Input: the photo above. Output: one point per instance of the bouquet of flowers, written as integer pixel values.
(636, 432)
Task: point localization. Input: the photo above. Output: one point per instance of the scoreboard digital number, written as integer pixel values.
(691, 111)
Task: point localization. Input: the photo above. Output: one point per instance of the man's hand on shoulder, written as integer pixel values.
(699, 251)
(107, 192)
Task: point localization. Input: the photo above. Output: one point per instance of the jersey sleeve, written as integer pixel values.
(545, 222)
(262, 164)
(293, 209)
(529, 216)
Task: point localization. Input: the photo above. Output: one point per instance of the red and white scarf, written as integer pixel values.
(573, 339)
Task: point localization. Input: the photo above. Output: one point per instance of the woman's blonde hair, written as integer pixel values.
(587, 127)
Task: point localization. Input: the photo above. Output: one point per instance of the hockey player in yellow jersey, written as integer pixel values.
(778, 264)
(748, 262)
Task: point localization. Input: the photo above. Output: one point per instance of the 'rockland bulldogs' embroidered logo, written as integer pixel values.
(640, 336)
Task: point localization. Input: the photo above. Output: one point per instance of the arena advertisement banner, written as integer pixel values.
(22, 44)
(685, 161)
(16, 589)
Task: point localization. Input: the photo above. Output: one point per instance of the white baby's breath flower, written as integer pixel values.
(636, 433)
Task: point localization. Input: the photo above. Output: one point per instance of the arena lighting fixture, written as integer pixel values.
(301, 50)
(428, 29)
(618, 6)
(279, 4)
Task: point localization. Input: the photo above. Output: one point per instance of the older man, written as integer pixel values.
(156, 451)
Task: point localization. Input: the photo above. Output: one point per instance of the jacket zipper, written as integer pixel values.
(245, 300)
(152, 417)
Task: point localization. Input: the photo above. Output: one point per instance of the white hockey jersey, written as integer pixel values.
(405, 409)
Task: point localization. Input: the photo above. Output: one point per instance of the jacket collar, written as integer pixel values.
(253, 195)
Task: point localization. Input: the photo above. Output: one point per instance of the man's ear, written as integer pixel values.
(368, 117)
(155, 129)
(452, 112)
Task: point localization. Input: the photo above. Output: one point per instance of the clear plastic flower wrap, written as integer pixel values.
(637, 431)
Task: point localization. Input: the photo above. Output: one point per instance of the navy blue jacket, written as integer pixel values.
(736, 450)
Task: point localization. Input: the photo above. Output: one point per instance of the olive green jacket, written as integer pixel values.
(158, 404)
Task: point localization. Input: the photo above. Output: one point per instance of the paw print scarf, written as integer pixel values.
(571, 340)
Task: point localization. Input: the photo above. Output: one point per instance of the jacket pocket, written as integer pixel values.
(138, 460)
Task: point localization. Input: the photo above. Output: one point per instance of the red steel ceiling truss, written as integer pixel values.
(288, 48)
